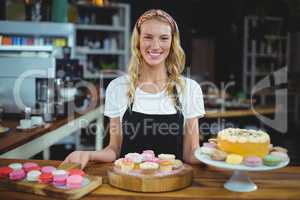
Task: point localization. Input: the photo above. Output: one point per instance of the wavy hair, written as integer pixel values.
(175, 61)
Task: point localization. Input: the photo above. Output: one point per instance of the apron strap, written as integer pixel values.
(178, 105)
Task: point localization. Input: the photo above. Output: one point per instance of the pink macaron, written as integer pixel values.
(209, 145)
(60, 180)
(148, 152)
(74, 181)
(28, 166)
(252, 161)
(155, 160)
(147, 156)
(48, 169)
(17, 175)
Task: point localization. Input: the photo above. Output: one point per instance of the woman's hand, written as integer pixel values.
(80, 157)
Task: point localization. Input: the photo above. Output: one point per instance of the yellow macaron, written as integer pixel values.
(234, 159)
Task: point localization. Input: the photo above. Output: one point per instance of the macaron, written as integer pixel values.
(155, 160)
(17, 175)
(5, 171)
(278, 148)
(28, 166)
(164, 156)
(48, 169)
(76, 172)
(74, 181)
(149, 152)
(207, 150)
(209, 144)
(118, 162)
(218, 155)
(272, 160)
(147, 156)
(60, 180)
(45, 178)
(16, 166)
(33, 175)
(59, 172)
(252, 161)
(281, 154)
(234, 159)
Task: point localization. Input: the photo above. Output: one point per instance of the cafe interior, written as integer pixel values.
(57, 58)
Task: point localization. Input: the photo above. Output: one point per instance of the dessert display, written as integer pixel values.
(147, 172)
(250, 148)
(32, 172)
(147, 163)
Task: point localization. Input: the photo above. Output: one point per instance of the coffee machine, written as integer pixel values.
(20, 78)
(42, 83)
(68, 73)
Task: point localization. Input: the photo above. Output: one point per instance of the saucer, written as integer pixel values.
(4, 129)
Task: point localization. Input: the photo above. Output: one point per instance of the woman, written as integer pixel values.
(153, 107)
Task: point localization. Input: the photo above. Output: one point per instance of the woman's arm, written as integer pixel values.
(108, 154)
(191, 140)
(112, 151)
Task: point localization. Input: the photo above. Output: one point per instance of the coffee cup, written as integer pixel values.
(25, 123)
(36, 120)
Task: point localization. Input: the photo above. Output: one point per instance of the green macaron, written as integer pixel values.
(272, 160)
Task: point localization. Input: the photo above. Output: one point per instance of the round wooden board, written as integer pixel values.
(149, 183)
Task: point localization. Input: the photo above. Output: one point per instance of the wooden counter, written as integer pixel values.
(17, 144)
(240, 112)
(207, 184)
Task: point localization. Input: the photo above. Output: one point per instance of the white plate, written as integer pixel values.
(223, 165)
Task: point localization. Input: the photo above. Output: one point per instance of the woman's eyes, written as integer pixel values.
(162, 38)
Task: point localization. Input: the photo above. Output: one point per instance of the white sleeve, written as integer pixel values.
(193, 104)
(112, 105)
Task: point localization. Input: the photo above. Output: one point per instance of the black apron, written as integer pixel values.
(160, 133)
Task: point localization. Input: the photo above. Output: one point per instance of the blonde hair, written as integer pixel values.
(175, 61)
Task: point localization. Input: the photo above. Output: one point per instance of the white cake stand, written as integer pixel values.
(239, 181)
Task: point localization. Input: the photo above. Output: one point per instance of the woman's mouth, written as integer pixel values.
(154, 55)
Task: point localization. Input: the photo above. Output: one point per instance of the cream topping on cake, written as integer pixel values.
(243, 135)
(149, 165)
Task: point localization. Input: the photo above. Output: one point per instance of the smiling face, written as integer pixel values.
(155, 42)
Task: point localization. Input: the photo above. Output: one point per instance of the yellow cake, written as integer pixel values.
(244, 142)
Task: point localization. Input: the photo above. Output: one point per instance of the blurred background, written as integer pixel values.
(231, 46)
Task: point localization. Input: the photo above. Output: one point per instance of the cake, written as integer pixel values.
(149, 167)
(127, 165)
(244, 142)
(147, 163)
(177, 164)
(166, 156)
(166, 166)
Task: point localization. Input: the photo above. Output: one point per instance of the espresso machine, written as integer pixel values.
(68, 73)
(43, 84)
(20, 81)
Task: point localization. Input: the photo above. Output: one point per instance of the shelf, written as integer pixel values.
(99, 27)
(25, 48)
(98, 75)
(262, 55)
(259, 73)
(86, 50)
(276, 37)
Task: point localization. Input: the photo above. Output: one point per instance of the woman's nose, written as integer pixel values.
(155, 44)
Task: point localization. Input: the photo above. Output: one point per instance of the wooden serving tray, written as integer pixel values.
(139, 182)
(49, 189)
